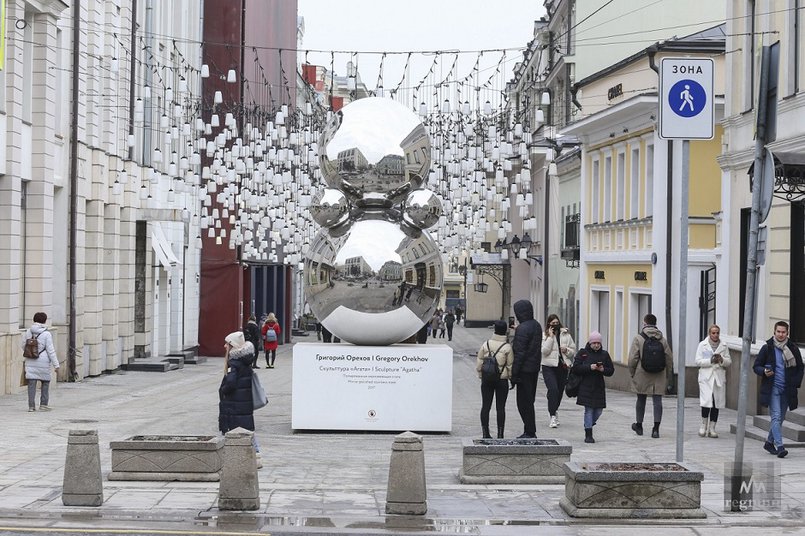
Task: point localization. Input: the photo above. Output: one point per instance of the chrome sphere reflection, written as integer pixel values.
(373, 284)
(329, 208)
(422, 209)
(375, 150)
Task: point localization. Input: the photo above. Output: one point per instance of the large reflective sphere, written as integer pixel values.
(374, 150)
(373, 285)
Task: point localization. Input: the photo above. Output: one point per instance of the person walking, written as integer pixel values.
(235, 406)
(501, 351)
(591, 364)
(449, 320)
(434, 323)
(558, 350)
(779, 364)
(251, 331)
(271, 336)
(37, 369)
(459, 312)
(525, 368)
(442, 326)
(651, 365)
(712, 358)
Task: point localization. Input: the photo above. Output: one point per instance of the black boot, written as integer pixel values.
(588, 435)
(486, 432)
(655, 432)
(500, 432)
(637, 427)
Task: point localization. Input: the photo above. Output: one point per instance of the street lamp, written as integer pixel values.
(519, 248)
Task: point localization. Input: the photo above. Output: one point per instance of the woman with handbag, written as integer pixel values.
(592, 363)
(236, 407)
(501, 351)
(558, 349)
(712, 358)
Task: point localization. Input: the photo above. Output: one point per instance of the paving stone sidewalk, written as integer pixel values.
(336, 482)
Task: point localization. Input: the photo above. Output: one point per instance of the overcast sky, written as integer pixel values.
(417, 25)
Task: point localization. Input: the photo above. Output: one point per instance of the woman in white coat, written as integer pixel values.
(712, 358)
(38, 368)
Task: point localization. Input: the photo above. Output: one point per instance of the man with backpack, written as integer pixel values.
(651, 365)
(494, 365)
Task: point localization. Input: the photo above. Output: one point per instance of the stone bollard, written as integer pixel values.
(238, 488)
(406, 488)
(83, 483)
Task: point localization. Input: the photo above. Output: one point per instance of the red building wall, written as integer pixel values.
(256, 38)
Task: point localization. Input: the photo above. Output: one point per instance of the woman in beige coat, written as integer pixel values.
(712, 358)
(499, 389)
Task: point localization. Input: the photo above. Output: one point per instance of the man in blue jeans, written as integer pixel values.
(779, 364)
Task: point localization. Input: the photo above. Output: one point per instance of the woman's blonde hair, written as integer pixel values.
(271, 318)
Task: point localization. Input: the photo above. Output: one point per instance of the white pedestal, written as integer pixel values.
(372, 388)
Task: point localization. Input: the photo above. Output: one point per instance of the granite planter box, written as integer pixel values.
(164, 457)
(632, 490)
(514, 461)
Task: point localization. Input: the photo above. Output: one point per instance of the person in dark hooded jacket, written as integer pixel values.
(592, 364)
(236, 408)
(527, 346)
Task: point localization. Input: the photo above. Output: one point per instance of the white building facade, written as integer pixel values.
(101, 235)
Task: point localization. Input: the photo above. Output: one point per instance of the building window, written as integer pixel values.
(634, 188)
(649, 211)
(595, 196)
(640, 306)
(608, 189)
(571, 231)
(620, 194)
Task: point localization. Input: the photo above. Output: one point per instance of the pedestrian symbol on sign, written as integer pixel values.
(687, 98)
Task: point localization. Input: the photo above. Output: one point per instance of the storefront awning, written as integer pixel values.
(162, 247)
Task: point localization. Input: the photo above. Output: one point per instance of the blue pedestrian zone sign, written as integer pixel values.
(687, 98)
(687, 111)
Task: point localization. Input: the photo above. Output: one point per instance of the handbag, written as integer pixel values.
(572, 385)
(259, 397)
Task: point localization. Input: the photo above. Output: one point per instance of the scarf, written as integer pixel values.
(713, 345)
(790, 361)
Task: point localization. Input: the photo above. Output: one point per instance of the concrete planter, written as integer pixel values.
(171, 458)
(514, 461)
(632, 490)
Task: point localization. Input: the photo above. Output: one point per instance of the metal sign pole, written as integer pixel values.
(683, 302)
(751, 276)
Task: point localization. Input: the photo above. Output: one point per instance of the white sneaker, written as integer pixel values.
(554, 422)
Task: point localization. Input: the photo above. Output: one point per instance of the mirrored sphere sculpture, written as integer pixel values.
(374, 285)
(372, 275)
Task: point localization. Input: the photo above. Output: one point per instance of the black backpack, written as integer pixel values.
(652, 357)
(490, 369)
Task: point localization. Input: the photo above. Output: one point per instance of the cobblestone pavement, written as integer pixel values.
(336, 482)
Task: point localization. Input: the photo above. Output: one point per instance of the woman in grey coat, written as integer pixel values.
(39, 368)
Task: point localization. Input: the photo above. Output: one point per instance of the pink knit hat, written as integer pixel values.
(595, 337)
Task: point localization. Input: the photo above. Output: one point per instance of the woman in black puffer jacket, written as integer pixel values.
(236, 408)
(592, 364)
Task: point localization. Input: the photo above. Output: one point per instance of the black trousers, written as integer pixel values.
(498, 390)
(450, 332)
(555, 379)
(526, 394)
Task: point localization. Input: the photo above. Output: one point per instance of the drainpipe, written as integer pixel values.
(72, 330)
(546, 252)
(652, 52)
(132, 71)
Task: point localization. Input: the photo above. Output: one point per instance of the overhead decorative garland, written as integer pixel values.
(254, 169)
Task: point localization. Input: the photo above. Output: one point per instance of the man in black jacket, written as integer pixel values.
(525, 369)
(251, 332)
